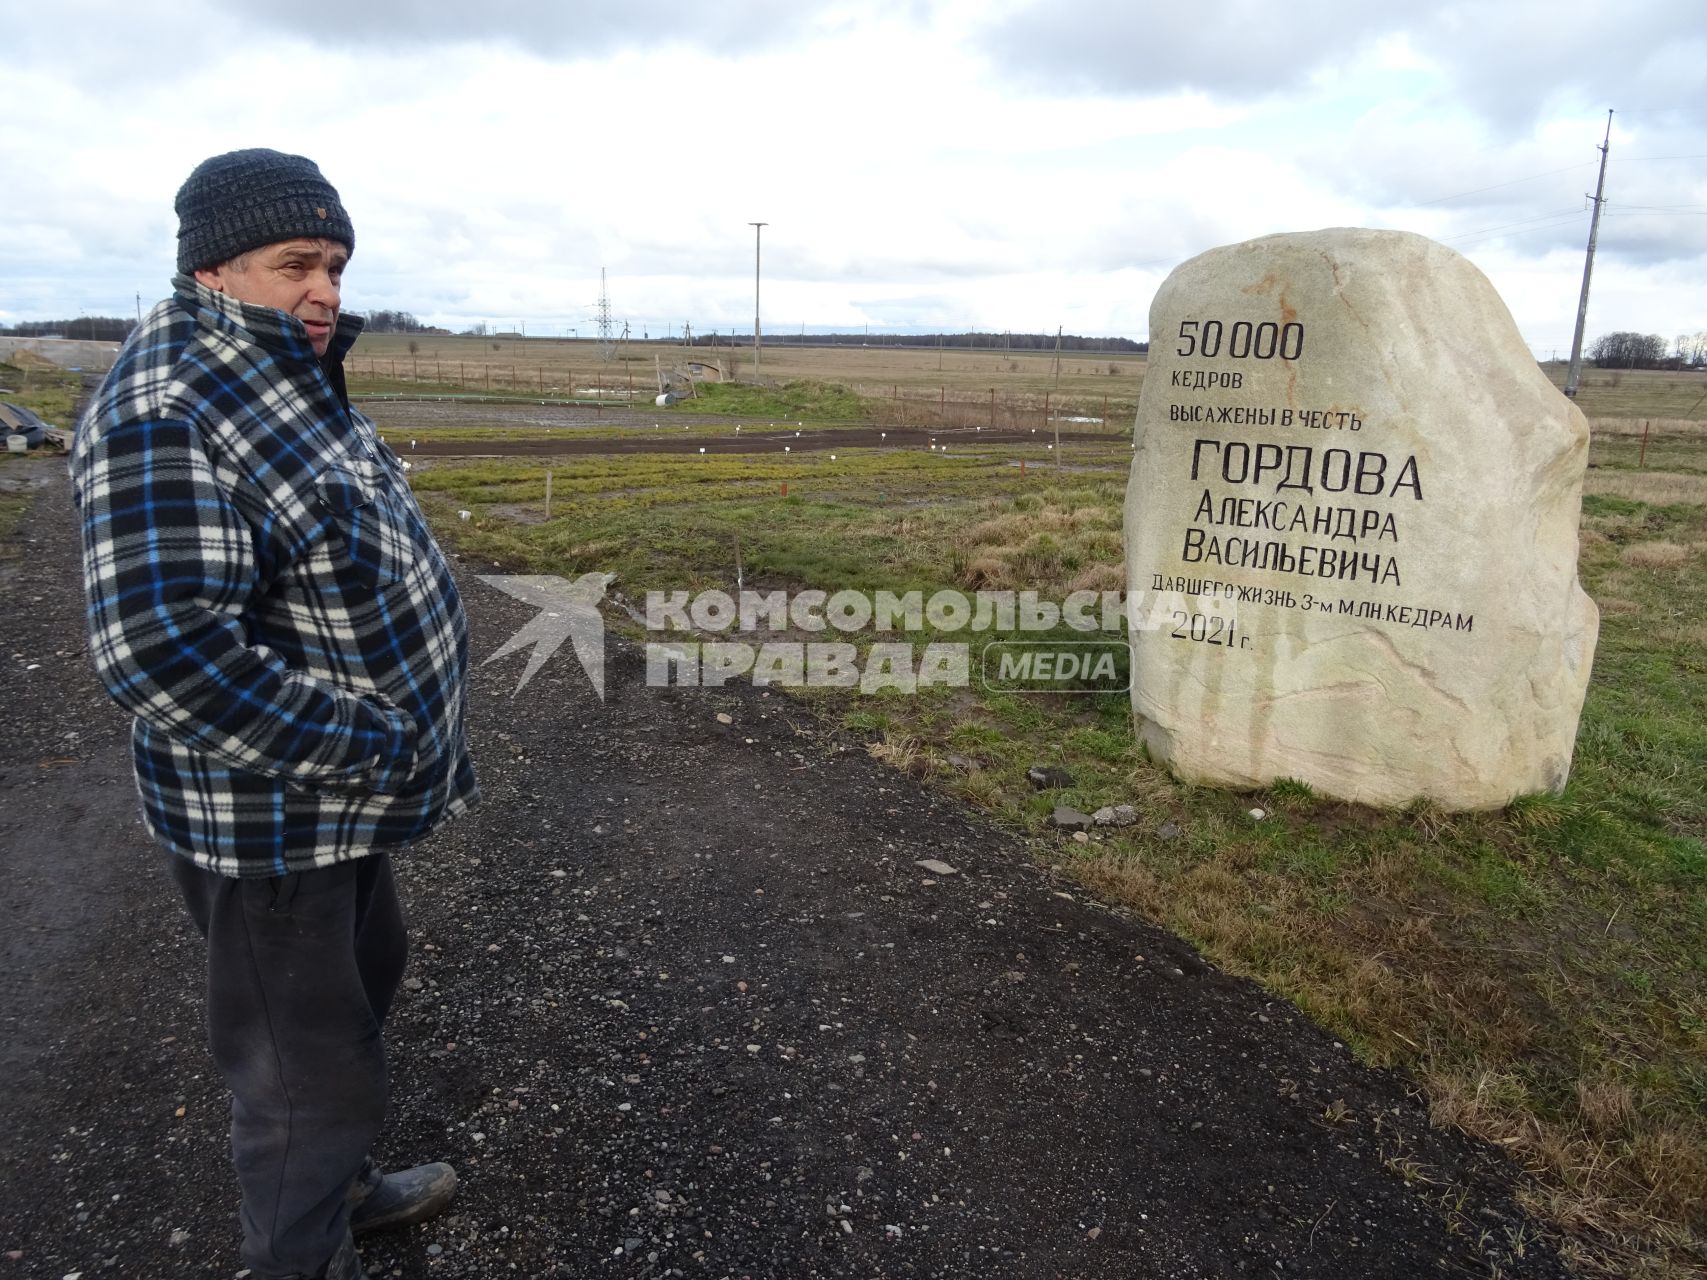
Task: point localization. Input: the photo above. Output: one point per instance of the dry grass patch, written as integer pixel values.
(1657, 555)
(1045, 546)
(900, 751)
(1655, 394)
(1653, 428)
(1693, 636)
(1099, 577)
(1124, 877)
(1584, 1156)
(1656, 488)
(992, 570)
(1015, 526)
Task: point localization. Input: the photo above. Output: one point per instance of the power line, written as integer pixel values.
(1546, 217)
(1458, 195)
(1470, 244)
(1423, 204)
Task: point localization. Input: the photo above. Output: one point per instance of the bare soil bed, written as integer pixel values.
(642, 432)
(682, 1002)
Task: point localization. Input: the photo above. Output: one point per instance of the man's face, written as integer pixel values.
(298, 276)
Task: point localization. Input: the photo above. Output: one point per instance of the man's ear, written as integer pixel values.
(212, 277)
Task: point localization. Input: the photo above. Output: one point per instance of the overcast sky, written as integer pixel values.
(933, 164)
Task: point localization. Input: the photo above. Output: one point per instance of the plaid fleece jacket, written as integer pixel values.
(265, 598)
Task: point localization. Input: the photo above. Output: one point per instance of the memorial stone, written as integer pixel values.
(1351, 529)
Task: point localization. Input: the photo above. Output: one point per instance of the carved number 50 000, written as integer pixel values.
(1246, 341)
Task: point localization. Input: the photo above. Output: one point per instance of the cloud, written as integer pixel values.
(1445, 177)
(1511, 62)
(1507, 61)
(110, 50)
(997, 164)
(546, 28)
(1233, 48)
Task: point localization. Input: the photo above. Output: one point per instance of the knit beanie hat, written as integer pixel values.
(245, 199)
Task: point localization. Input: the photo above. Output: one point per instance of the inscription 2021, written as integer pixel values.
(1208, 629)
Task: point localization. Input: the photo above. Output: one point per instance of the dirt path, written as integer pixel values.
(681, 1003)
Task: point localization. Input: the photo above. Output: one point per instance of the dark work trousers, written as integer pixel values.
(301, 971)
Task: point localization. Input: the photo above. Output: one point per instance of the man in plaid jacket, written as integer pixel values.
(266, 599)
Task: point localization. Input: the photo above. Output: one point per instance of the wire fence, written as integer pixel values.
(904, 406)
(516, 378)
(1010, 411)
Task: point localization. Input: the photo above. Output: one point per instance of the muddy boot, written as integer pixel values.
(385, 1200)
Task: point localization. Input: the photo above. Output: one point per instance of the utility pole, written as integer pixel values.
(139, 309)
(1574, 375)
(758, 231)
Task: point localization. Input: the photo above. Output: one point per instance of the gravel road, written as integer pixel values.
(682, 1002)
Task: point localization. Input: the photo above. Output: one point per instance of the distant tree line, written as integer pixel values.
(950, 341)
(116, 329)
(398, 322)
(88, 328)
(1627, 350)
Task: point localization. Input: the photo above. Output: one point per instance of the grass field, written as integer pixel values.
(849, 383)
(873, 371)
(1542, 970)
(888, 380)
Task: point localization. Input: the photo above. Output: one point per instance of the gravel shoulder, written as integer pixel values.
(682, 1002)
